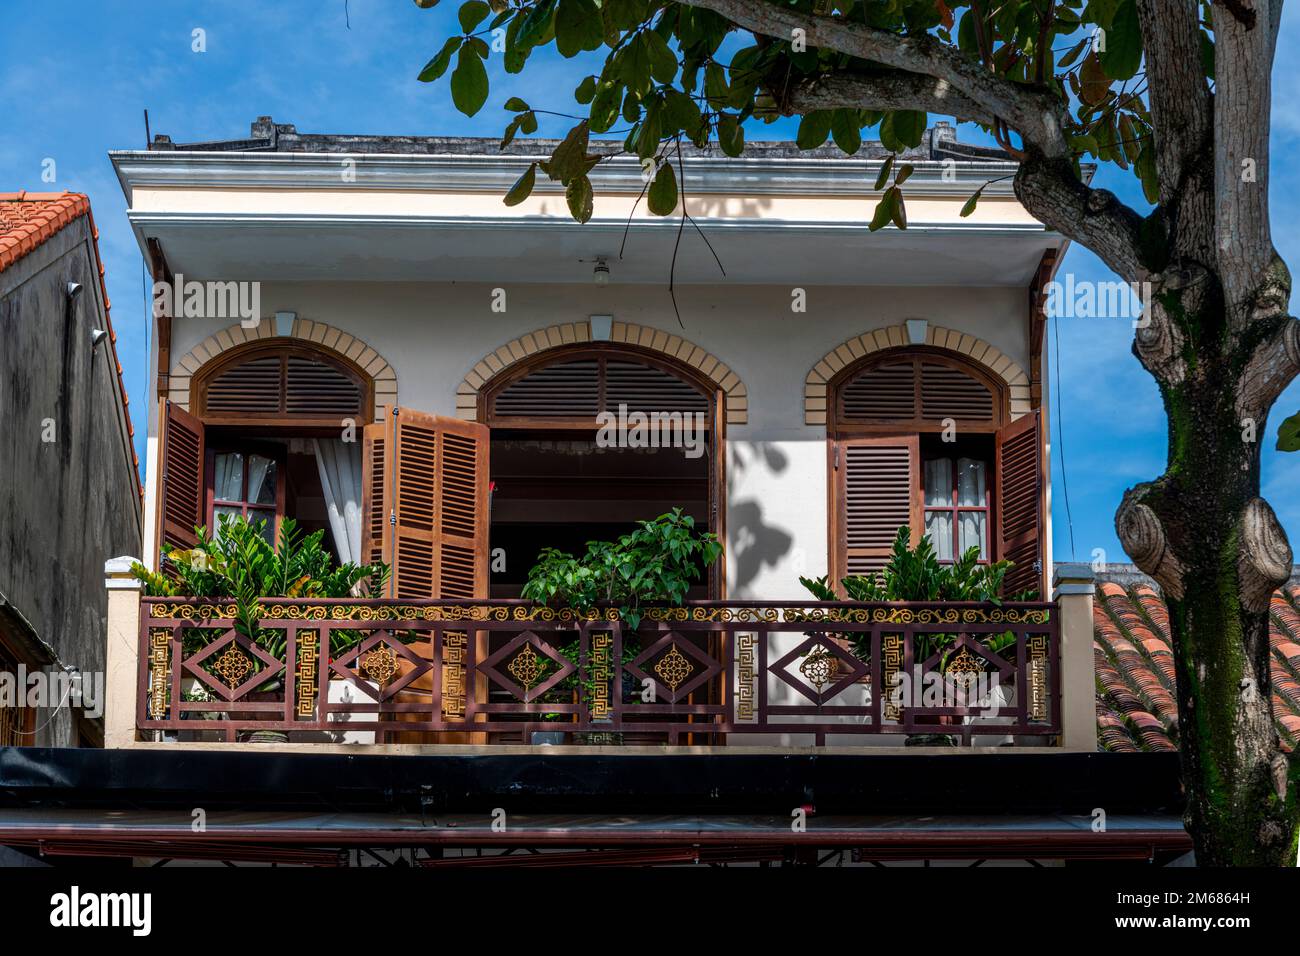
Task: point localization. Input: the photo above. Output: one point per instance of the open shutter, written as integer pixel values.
(1020, 504)
(878, 491)
(181, 454)
(426, 478)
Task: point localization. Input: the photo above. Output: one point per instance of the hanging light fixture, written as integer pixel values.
(601, 273)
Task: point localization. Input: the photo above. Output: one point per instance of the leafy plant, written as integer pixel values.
(239, 563)
(916, 574)
(656, 563)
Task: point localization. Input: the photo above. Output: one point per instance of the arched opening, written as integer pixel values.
(922, 437)
(273, 432)
(588, 439)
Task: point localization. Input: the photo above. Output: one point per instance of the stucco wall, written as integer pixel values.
(433, 334)
(69, 504)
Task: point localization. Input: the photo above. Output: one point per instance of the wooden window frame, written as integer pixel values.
(283, 349)
(24, 717)
(246, 448)
(841, 433)
(715, 419)
(956, 510)
(839, 425)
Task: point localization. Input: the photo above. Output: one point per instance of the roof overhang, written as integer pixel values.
(386, 217)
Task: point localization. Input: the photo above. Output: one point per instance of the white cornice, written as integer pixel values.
(495, 174)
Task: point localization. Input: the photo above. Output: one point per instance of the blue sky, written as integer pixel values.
(77, 75)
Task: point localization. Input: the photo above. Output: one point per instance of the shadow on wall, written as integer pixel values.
(753, 544)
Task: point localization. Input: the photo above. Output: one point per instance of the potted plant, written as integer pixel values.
(238, 564)
(916, 574)
(654, 564)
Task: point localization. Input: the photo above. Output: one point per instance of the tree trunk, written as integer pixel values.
(1218, 552)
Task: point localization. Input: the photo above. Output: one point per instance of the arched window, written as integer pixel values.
(281, 384)
(576, 385)
(921, 437)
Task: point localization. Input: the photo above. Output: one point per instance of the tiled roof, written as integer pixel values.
(29, 219)
(1137, 706)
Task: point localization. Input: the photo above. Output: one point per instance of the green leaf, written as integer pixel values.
(534, 24)
(579, 196)
(900, 208)
(1075, 52)
(472, 13)
(905, 128)
(568, 161)
(885, 169)
(1288, 434)
(469, 82)
(604, 107)
(578, 27)
(1123, 54)
(438, 65)
(813, 129)
(523, 186)
(970, 204)
(662, 197)
(516, 105)
(715, 86)
(884, 210)
(904, 173)
(845, 130)
(731, 135)
(663, 62)
(586, 90)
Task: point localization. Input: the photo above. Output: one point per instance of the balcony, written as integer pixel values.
(489, 673)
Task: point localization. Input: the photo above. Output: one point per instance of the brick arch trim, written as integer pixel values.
(816, 385)
(323, 336)
(736, 397)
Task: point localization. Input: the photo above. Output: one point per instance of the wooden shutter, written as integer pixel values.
(1019, 484)
(181, 492)
(426, 481)
(878, 491)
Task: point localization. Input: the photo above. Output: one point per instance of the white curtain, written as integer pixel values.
(339, 463)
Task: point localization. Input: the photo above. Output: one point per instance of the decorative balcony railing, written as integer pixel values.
(479, 672)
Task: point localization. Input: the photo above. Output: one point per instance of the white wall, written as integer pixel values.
(433, 334)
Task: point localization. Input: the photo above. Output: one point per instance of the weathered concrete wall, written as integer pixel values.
(68, 500)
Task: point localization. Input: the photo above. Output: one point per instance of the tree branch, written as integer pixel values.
(1034, 113)
(897, 90)
(1243, 237)
(1050, 191)
(1182, 113)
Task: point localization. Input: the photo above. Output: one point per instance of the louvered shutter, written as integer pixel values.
(1020, 504)
(181, 454)
(878, 484)
(886, 393)
(431, 475)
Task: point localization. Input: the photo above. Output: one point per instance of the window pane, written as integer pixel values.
(971, 531)
(228, 477)
(970, 482)
(256, 515)
(938, 526)
(261, 480)
(231, 513)
(938, 481)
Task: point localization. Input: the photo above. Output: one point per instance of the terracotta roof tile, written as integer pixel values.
(29, 219)
(1136, 683)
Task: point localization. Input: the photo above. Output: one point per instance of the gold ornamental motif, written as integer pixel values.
(673, 667)
(159, 672)
(819, 667)
(891, 653)
(233, 666)
(1037, 644)
(453, 675)
(746, 678)
(379, 613)
(964, 667)
(526, 667)
(380, 665)
(600, 675)
(306, 674)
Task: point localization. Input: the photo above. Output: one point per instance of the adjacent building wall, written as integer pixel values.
(68, 498)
